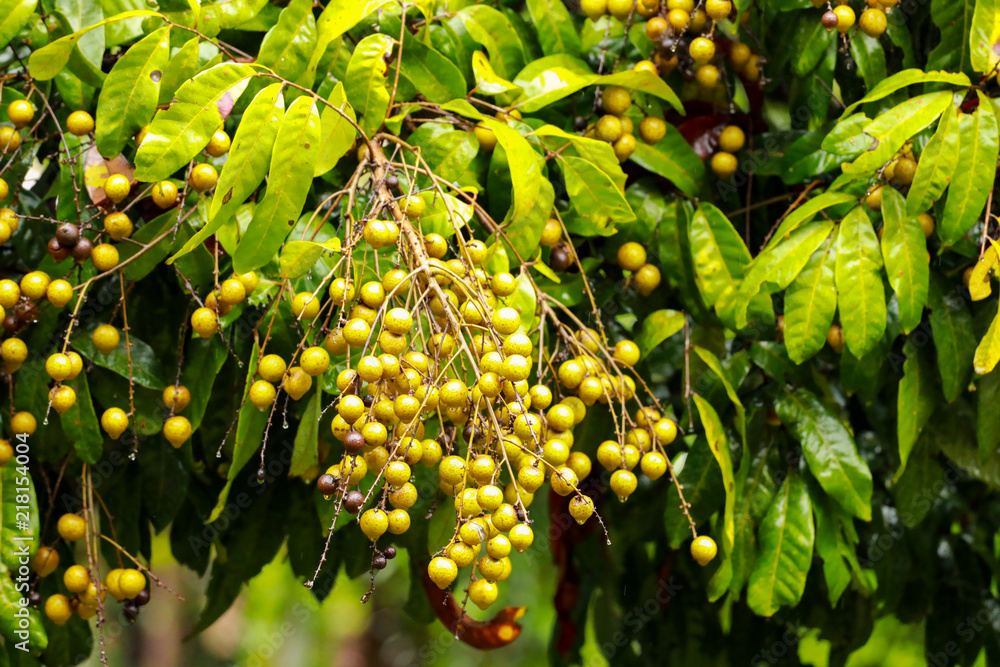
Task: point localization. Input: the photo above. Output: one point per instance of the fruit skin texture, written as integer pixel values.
(219, 144)
(10, 140)
(104, 257)
(164, 194)
(57, 609)
(652, 129)
(80, 123)
(114, 421)
(873, 22)
(117, 187)
(631, 256)
(177, 430)
(71, 527)
(20, 113)
(724, 164)
(845, 18)
(131, 582)
(732, 139)
(204, 322)
(203, 177)
(616, 100)
(703, 550)
(442, 571)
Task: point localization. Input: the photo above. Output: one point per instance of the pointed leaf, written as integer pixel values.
(810, 303)
(937, 165)
(984, 38)
(656, 328)
(131, 92)
(716, 436)
(179, 133)
(337, 17)
(977, 157)
(954, 340)
(806, 212)
(891, 129)
(988, 352)
(673, 159)
(786, 536)
(594, 196)
(916, 400)
(338, 134)
(432, 74)
(559, 33)
(860, 294)
(80, 422)
(904, 249)
(365, 83)
(903, 79)
(306, 452)
(14, 15)
(829, 450)
(288, 46)
(488, 82)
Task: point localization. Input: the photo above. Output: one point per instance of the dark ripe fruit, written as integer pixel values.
(392, 182)
(389, 552)
(368, 400)
(561, 258)
(580, 123)
(379, 562)
(327, 484)
(142, 598)
(261, 476)
(353, 501)
(354, 442)
(81, 251)
(56, 251)
(34, 598)
(26, 311)
(68, 234)
(131, 610)
(11, 323)
(830, 21)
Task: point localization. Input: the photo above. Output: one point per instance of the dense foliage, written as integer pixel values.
(685, 296)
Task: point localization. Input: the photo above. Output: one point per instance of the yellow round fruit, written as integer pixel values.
(76, 579)
(104, 256)
(203, 177)
(219, 144)
(177, 430)
(703, 550)
(724, 164)
(114, 421)
(118, 226)
(176, 398)
(71, 527)
(23, 423)
(45, 562)
(117, 187)
(80, 123)
(59, 292)
(164, 194)
(20, 112)
(57, 608)
(131, 582)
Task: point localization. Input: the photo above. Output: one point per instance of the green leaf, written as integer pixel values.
(656, 328)
(142, 266)
(916, 400)
(977, 158)
(433, 75)
(716, 436)
(786, 536)
(80, 422)
(337, 17)
(250, 425)
(48, 61)
(904, 249)
(984, 37)
(77, 14)
(288, 46)
(203, 359)
(954, 340)
(288, 183)
(299, 257)
(780, 264)
(489, 27)
(720, 257)
(893, 128)
(488, 82)
(179, 133)
(365, 83)
(937, 165)
(532, 201)
(673, 159)
(954, 18)
(14, 15)
(553, 78)
(702, 482)
(593, 194)
(131, 92)
(809, 42)
(829, 450)
(987, 416)
(248, 160)
(860, 293)
(831, 545)
(672, 219)
(338, 134)
(869, 55)
(806, 211)
(11, 603)
(447, 152)
(903, 79)
(988, 352)
(715, 365)
(810, 303)
(556, 33)
(306, 452)
(182, 66)
(146, 368)
(598, 153)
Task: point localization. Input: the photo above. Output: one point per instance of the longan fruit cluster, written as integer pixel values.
(84, 595)
(842, 17)
(646, 277)
(615, 127)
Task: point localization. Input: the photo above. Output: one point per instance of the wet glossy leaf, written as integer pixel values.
(860, 293)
